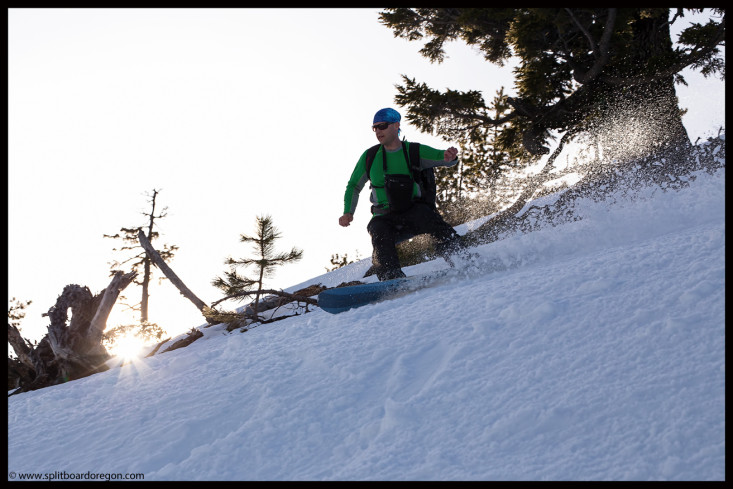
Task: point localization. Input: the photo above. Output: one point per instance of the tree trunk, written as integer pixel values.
(72, 351)
(146, 294)
(146, 265)
(643, 117)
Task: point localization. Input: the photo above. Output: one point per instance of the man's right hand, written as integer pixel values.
(346, 219)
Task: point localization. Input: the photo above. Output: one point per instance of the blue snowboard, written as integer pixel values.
(342, 299)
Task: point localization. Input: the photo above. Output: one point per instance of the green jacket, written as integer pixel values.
(396, 164)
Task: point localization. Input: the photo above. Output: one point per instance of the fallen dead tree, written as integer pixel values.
(275, 300)
(168, 272)
(68, 351)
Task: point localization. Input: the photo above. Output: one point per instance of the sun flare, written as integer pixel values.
(128, 347)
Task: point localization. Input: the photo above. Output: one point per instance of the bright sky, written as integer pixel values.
(230, 113)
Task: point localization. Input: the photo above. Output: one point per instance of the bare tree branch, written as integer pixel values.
(600, 51)
(99, 322)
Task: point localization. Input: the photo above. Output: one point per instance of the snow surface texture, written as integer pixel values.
(598, 353)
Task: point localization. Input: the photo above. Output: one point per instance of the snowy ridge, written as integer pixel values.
(595, 351)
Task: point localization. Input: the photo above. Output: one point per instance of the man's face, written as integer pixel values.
(386, 131)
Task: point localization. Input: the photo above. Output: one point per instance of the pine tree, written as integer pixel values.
(578, 69)
(16, 311)
(461, 192)
(17, 370)
(265, 261)
(140, 260)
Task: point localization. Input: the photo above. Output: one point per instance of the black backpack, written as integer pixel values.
(424, 178)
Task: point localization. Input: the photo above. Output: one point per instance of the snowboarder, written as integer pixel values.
(401, 200)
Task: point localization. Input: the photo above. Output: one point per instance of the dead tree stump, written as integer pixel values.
(68, 351)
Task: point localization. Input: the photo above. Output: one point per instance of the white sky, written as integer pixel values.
(231, 113)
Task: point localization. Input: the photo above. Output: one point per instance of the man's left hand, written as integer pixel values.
(450, 154)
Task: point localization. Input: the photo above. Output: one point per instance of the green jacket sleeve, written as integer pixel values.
(431, 157)
(358, 179)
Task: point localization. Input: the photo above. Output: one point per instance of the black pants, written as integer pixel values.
(385, 230)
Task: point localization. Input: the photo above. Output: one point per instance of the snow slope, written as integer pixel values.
(598, 353)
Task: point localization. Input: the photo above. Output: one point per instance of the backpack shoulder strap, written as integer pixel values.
(371, 153)
(424, 178)
(414, 156)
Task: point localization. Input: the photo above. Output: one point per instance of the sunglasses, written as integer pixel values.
(381, 126)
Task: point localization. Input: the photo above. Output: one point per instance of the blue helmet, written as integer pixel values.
(387, 115)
